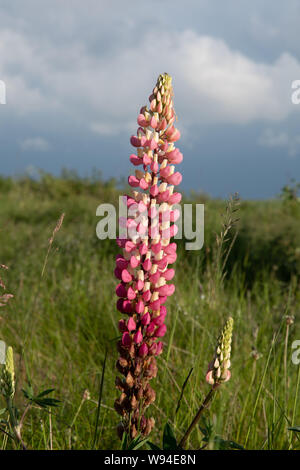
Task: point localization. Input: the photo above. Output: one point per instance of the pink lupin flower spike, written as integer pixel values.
(143, 267)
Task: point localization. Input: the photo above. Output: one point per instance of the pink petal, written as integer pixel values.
(139, 308)
(162, 299)
(127, 307)
(135, 141)
(209, 378)
(171, 248)
(155, 305)
(150, 328)
(154, 190)
(126, 276)
(146, 319)
(142, 207)
(141, 120)
(146, 159)
(147, 265)
(175, 179)
(143, 249)
(147, 295)
(167, 289)
(152, 144)
(153, 122)
(131, 294)
(118, 273)
(171, 258)
(135, 160)
(134, 262)
(154, 167)
(121, 290)
(129, 246)
(138, 337)
(168, 274)
(133, 181)
(175, 198)
(156, 247)
(154, 277)
(143, 350)
(175, 136)
(153, 348)
(164, 173)
(139, 285)
(131, 325)
(159, 348)
(152, 212)
(143, 184)
(161, 331)
(126, 339)
(122, 326)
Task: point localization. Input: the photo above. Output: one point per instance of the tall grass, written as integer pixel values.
(59, 325)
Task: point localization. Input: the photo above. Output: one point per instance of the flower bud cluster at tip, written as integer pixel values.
(7, 380)
(143, 266)
(218, 369)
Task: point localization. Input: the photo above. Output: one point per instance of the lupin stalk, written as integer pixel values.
(218, 373)
(142, 268)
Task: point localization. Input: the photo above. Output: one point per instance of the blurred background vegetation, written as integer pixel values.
(61, 323)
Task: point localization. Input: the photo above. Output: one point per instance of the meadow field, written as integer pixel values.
(63, 318)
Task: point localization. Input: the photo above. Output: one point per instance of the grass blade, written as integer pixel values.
(99, 400)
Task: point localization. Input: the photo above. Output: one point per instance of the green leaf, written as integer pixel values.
(169, 439)
(44, 402)
(182, 390)
(206, 429)
(222, 444)
(137, 443)
(124, 441)
(294, 428)
(99, 401)
(28, 391)
(153, 446)
(45, 392)
(38, 399)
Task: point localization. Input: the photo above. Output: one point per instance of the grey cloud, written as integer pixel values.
(36, 144)
(214, 83)
(280, 139)
(77, 72)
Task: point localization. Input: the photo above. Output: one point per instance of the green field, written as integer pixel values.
(61, 323)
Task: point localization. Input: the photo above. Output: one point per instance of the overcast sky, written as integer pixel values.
(77, 73)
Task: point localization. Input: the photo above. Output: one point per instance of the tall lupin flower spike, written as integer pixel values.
(142, 268)
(218, 372)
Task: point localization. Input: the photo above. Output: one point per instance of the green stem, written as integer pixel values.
(241, 420)
(285, 368)
(14, 424)
(295, 404)
(260, 387)
(205, 404)
(77, 412)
